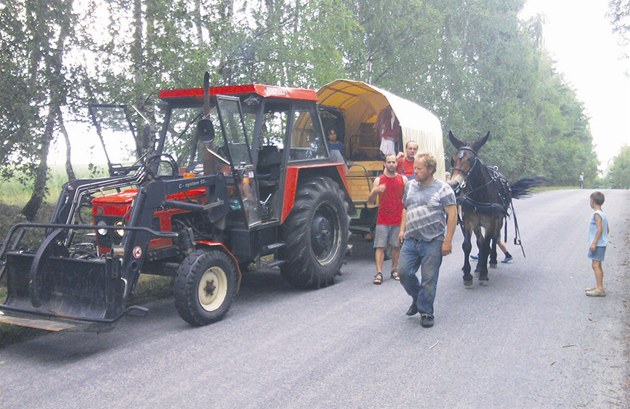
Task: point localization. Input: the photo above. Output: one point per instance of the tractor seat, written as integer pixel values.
(269, 161)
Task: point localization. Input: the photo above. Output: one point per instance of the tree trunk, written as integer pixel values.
(141, 50)
(69, 169)
(56, 85)
(41, 172)
(198, 23)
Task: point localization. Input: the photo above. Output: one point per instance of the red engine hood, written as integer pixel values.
(127, 196)
(124, 197)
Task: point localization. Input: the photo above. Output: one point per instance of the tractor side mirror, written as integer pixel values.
(205, 130)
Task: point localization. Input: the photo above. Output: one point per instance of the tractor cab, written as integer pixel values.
(280, 133)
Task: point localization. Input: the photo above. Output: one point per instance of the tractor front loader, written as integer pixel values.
(81, 274)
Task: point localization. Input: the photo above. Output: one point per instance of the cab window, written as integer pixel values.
(307, 142)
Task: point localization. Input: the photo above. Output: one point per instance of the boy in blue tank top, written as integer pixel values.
(598, 239)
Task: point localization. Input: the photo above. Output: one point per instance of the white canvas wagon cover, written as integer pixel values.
(361, 103)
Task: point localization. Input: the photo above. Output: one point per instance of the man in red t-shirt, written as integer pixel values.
(405, 162)
(389, 187)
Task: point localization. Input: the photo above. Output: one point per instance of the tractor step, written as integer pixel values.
(43, 324)
(275, 263)
(274, 246)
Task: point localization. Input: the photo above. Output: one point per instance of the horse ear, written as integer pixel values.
(456, 142)
(478, 144)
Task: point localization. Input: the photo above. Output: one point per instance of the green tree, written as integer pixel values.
(473, 63)
(619, 173)
(619, 13)
(36, 34)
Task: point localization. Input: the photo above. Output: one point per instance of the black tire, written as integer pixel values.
(316, 234)
(205, 285)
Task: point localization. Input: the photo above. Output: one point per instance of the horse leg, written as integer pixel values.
(478, 237)
(482, 263)
(480, 240)
(493, 253)
(466, 246)
(496, 236)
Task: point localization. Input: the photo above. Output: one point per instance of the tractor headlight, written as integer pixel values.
(119, 232)
(101, 231)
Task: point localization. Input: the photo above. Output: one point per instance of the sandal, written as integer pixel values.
(394, 275)
(596, 293)
(378, 278)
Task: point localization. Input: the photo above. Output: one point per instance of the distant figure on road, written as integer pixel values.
(598, 239)
(581, 180)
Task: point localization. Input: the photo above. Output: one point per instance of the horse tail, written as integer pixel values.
(523, 187)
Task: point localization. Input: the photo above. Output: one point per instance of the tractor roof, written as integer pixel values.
(265, 91)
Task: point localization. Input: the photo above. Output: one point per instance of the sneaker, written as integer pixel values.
(507, 259)
(413, 309)
(475, 257)
(426, 321)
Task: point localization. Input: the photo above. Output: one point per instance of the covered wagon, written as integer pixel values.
(354, 109)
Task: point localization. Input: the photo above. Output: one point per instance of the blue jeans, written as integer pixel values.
(426, 255)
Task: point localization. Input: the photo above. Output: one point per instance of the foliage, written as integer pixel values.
(618, 176)
(619, 13)
(474, 64)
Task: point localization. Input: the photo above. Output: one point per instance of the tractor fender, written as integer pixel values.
(201, 244)
(294, 173)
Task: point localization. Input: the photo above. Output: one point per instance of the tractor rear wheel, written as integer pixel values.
(316, 234)
(205, 285)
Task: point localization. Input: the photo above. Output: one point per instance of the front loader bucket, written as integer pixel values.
(50, 285)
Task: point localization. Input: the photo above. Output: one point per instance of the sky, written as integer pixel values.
(578, 35)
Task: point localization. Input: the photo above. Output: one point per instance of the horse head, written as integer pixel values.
(465, 160)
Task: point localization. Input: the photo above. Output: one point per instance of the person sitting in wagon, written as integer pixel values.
(334, 144)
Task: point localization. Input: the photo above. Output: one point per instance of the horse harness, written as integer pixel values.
(503, 190)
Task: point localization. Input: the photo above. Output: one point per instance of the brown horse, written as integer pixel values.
(485, 198)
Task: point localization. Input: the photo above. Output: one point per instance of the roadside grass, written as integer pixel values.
(547, 188)
(14, 193)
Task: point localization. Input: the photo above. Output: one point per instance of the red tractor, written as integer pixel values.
(239, 176)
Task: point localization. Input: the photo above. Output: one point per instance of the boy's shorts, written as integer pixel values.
(386, 236)
(598, 254)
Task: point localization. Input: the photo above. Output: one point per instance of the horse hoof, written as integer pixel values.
(493, 265)
(483, 283)
(468, 284)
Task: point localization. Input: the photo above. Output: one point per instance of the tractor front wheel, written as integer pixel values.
(205, 286)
